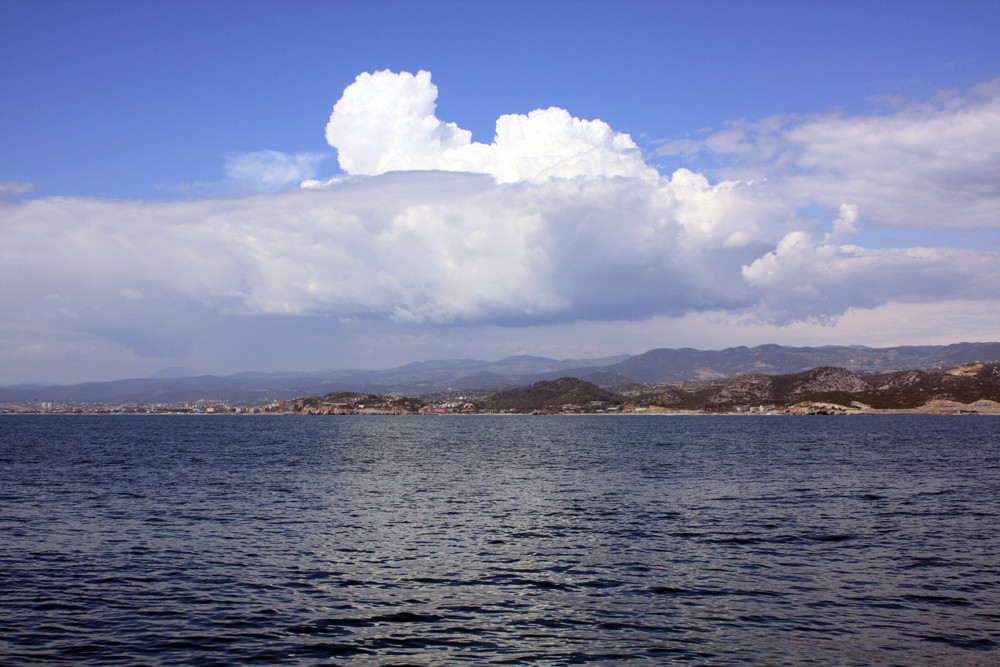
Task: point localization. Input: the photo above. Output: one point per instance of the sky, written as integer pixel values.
(300, 185)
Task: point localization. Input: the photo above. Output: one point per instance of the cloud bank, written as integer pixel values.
(558, 221)
(458, 248)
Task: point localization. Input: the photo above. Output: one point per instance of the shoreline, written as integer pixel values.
(658, 413)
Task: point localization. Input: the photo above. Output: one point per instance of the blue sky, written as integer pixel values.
(144, 219)
(113, 99)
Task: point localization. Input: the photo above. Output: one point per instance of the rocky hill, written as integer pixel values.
(551, 395)
(350, 403)
(899, 390)
(967, 387)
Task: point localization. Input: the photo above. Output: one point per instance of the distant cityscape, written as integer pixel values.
(197, 407)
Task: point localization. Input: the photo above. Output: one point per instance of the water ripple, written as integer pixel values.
(523, 541)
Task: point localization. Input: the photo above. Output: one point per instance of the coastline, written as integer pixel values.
(839, 411)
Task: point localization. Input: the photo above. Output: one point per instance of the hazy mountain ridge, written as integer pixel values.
(665, 365)
(655, 367)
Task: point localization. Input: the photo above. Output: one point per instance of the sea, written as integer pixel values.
(499, 540)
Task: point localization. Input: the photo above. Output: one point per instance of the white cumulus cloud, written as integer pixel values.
(387, 122)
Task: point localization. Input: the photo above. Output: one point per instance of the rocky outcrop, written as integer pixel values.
(750, 390)
(551, 396)
(828, 379)
(350, 403)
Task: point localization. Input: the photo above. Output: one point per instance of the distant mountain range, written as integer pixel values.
(660, 366)
(663, 365)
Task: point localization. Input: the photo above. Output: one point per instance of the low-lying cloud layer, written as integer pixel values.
(458, 248)
(560, 220)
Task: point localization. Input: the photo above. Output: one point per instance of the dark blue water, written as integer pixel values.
(499, 540)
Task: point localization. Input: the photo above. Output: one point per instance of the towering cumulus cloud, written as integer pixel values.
(387, 122)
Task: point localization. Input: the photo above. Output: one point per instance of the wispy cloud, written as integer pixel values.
(16, 188)
(930, 164)
(272, 169)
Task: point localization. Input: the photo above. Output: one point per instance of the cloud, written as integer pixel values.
(928, 164)
(458, 249)
(557, 225)
(15, 188)
(845, 226)
(272, 169)
(801, 280)
(386, 122)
